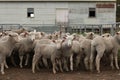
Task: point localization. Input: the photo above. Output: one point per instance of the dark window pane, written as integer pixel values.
(30, 12)
(92, 12)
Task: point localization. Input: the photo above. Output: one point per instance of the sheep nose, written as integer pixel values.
(69, 43)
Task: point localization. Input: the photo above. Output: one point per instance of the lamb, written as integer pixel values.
(19, 31)
(66, 47)
(76, 50)
(85, 45)
(24, 47)
(6, 48)
(105, 45)
(48, 49)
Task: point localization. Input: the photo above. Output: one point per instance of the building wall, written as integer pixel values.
(81, 11)
(45, 12)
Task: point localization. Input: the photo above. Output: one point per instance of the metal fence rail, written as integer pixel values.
(97, 28)
(48, 28)
(71, 28)
(6, 27)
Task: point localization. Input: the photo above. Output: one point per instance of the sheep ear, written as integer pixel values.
(63, 40)
(23, 29)
(60, 32)
(41, 33)
(10, 35)
(108, 35)
(74, 37)
(64, 37)
(54, 41)
(50, 37)
(117, 33)
(56, 35)
(91, 34)
(4, 33)
(25, 34)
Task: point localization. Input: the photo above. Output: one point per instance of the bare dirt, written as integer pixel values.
(45, 74)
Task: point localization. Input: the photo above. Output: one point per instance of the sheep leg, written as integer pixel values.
(27, 59)
(71, 62)
(91, 60)
(111, 63)
(98, 58)
(60, 65)
(40, 63)
(2, 68)
(54, 66)
(57, 62)
(116, 60)
(65, 65)
(37, 66)
(77, 61)
(2, 65)
(35, 60)
(12, 60)
(6, 66)
(21, 58)
(45, 62)
(86, 62)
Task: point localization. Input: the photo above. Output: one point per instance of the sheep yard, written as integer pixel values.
(44, 74)
(59, 56)
(59, 39)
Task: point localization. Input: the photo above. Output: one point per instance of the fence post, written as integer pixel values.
(101, 29)
(85, 28)
(72, 30)
(92, 28)
(112, 30)
(20, 26)
(80, 30)
(2, 27)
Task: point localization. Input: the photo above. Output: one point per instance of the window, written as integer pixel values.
(30, 12)
(92, 12)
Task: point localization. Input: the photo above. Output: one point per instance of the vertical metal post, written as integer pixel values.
(2, 27)
(92, 28)
(71, 29)
(101, 30)
(80, 30)
(85, 28)
(112, 30)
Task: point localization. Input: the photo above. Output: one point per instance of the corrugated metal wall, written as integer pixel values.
(45, 13)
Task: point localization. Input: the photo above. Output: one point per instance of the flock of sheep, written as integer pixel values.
(63, 50)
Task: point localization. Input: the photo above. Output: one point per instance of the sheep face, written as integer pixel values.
(59, 44)
(118, 36)
(14, 38)
(67, 42)
(32, 36)
(89, 35)
(106, 35)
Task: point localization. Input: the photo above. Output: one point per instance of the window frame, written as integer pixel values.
(29, 12)
(90, 15)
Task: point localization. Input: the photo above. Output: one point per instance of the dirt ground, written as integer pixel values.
(45, 74)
